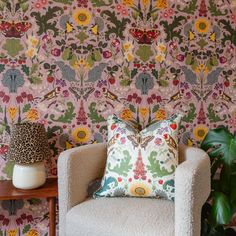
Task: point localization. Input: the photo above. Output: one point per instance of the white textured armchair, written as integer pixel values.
(80, 216)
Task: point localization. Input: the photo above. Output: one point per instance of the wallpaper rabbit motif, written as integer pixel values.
(69, 64)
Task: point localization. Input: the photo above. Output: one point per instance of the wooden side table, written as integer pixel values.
(49, 190)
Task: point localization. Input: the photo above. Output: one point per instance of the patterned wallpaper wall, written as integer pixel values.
(69, 64)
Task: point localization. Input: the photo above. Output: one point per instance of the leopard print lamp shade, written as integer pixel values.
(28, 143)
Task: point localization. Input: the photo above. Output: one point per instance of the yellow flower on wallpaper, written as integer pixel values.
(160, 57)
(161, 4)
(126, 114)
(32, 232)
(12, 111)
(81, 134)
(31, 52)
(129, 56)
(12, 232)
(82, 17)
(129, 3)
(160, 114)
(128, 46)
(81, 62)
(202, 25)
(202, 68)
(161, 47)
(191, 35)
(200, 131)
(143, 111)
(33, 41)
(145, 2)
(139, 189)
(32, 114)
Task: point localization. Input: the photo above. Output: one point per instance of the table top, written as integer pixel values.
(9, 192)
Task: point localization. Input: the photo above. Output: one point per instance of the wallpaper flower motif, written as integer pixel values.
(69, 64)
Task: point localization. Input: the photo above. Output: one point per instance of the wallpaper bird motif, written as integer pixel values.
(70, 63)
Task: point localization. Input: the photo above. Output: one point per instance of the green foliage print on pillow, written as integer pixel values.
(155, 166)
(124, 166)
(140, 164)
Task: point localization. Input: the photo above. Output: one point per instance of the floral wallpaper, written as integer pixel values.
(69, 64)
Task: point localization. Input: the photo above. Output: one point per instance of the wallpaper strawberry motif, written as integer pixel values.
(69, 64)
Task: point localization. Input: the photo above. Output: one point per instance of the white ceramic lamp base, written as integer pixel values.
(29, 176)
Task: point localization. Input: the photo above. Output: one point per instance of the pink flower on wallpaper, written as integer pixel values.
(30, 97)
(124, 12)
(19, 99)
(119, 7)
(44, 2)
(56, 52)
(38, 5)
(232, 122)
(233, 18)
(6, 98)
(65, 93)
(1, 94)
(97, 94)
(3, 149)
(24, 94)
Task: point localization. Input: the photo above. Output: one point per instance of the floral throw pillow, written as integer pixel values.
(141, 164)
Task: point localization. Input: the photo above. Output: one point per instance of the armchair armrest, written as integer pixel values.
(77, 167)
(192, 188)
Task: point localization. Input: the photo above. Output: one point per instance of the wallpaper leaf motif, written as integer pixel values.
(69, 64)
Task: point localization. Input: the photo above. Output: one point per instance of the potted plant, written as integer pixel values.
(217, 212)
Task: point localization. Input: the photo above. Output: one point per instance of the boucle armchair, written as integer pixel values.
(81, 216)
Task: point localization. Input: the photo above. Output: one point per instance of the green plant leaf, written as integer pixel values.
(68, 115)
(132, 108)
(124, 166)
(101, 3)
(220, 143)
(212, 116)
(144, 52)
(232, 194)
(156, 168)
(8, 169)
(214, 9)
(225, 175)
(26, 107)
(190, 8)
(190, 116)
(221, 210)
(26, 229)
(68, 2)
(93, 114)
(13, 46)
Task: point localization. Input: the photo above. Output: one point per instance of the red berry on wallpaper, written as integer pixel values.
(226, 83)
(175, 82)
(113, 126)
(129, 98)
(160, 181)
(180, 57)
(50, 79)
(138, 100)
(107, 54)
(223, 59)
(111, 80)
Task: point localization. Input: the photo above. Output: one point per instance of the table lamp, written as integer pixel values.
(28, 148)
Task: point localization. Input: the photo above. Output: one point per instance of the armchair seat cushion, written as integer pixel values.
(121, 217)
